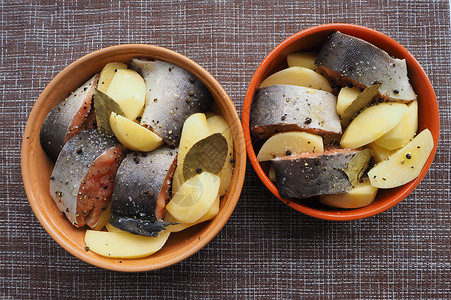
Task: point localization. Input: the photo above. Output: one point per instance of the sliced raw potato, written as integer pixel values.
(124, 244)
(107, 74)
(298, 76)
(272, 174)
(177, 179)
(128, 89)
(403, 132)
(359, 196)
(217, 124)
(210, 214)
(372, 123)
(287, 143)
(304, 59)
(194, 198)
(111, 228)
(194, 129)
(132, 135)
(104, 219)
(405, 164)
(345, 98)
(362, 101)
(379, 153)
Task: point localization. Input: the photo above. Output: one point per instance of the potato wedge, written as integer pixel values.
(372, 123)
(124, 244)
(217, 124)
(194, 129)
(132, 135)
(380, 153)
(345, 97)
(194, 198)
(298, 76)
(403, 132)
(104, 219)
(405, 164)
(287, 143)
(359, 196)
(305, 59)
(107, 74)
(210, 214)
(128, 89)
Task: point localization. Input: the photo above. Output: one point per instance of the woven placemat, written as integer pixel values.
(266, 250)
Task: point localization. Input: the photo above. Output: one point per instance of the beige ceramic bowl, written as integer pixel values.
(37, 166)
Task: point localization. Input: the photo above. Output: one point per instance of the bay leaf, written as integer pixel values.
(207, 155)
(104, 105)
(358, 165)
(363, 100)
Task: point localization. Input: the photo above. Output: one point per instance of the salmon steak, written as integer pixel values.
(82, 181)
(172, 95)
(312, 174)
(141, 190)
(345, 60)
(280, 108)
(67, 118)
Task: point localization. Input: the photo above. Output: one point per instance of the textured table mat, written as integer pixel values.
(266, 250)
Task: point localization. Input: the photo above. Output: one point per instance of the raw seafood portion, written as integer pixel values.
(310, 174)
(172, 95)
(347, 59)
(279, 108)
(82, 180)
(141, 191)
(67, 118)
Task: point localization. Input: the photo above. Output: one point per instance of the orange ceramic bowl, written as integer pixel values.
(37, 166)
(312, 39)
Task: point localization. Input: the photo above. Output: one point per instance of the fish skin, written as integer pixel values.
(57, 127)
(280, 108)
(347, 59)
(141, 190)
(71, 167)
(171, 85)
(311, 174)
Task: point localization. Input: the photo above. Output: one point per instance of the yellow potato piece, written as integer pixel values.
(272, 174)
(372, 123)
(405, 164)
(128, 89)
(210, 214)
(345, 97)
(294, 141)
(107, 74)
(380, 153)
(194, 198)
(132, 135)
(194, 129)
(304, 59)
(104, 219)
(298, 76)
(217, 124)
(359, 196)
(124, 244)
(177, 179)
(403, 132)
(111, 228)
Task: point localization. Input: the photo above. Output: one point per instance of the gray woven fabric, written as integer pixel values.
(266, 250)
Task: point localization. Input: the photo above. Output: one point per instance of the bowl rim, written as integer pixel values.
(239, 169)
(343, 215)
